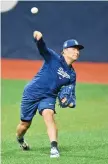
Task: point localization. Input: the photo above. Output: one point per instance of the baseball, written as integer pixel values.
(34, 10)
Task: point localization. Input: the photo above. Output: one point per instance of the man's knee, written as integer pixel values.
(25, 125)
(47, 112)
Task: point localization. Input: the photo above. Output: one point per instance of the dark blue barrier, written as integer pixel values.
(58, 21)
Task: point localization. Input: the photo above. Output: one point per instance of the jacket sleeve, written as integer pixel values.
(42, 46)
(45, 52)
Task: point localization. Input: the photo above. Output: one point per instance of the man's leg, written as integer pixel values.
(48, 116)
(21, 130)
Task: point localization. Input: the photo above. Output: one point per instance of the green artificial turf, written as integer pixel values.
(83, 132)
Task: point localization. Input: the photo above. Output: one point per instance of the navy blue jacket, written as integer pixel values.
(54, 74)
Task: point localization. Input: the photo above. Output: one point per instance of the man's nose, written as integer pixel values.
(77, 51)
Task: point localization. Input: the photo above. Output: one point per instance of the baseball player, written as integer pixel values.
(41, 92)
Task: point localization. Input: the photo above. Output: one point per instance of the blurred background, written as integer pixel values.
(83, 132)
(84, 21)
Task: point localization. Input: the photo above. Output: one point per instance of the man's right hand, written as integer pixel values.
(37, 35)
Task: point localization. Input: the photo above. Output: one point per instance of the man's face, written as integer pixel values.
(72, 53)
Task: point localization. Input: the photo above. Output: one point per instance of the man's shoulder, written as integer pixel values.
(54, 53)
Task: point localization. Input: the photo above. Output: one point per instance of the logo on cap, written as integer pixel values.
(65, 45)
(76, 42)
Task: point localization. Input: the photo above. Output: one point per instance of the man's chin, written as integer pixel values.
(74, 60)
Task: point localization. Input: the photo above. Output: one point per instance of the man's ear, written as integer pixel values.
(63, 51)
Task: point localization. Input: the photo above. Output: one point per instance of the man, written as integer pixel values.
(41, 92)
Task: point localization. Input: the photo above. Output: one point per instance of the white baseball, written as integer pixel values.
(34, 10)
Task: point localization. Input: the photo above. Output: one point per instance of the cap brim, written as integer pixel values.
(80, 47)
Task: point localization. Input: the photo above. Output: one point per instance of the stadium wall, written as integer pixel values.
(58, 21)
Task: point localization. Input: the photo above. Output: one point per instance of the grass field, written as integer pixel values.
(83, 132)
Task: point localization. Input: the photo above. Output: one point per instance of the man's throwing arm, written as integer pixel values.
(43, 50)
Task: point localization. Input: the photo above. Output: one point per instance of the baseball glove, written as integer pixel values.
(67, 93)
